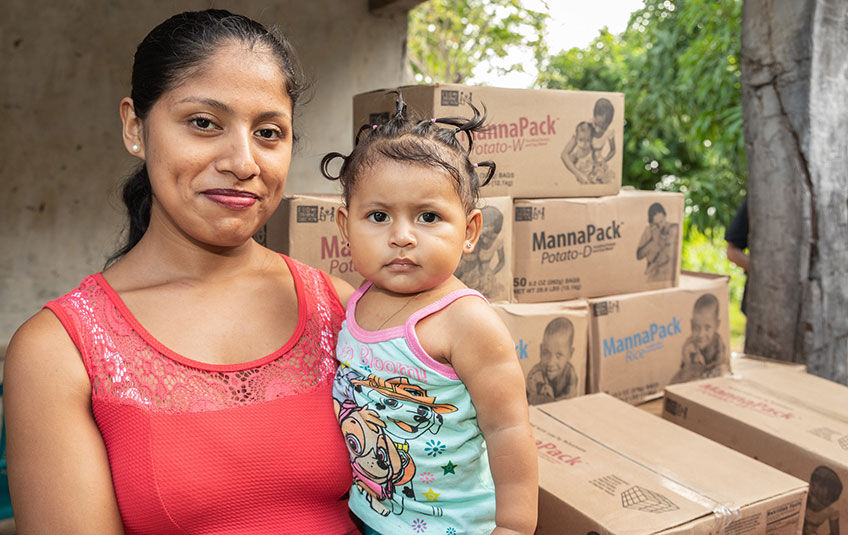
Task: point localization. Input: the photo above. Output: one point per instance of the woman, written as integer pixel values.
(187, 388)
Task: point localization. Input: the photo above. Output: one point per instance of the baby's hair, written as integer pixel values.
(585, 125)
(416, 141)
(655, 209)
(706, 302)
(490, 212)
(605, 109)
(560, 325)
(827, 478)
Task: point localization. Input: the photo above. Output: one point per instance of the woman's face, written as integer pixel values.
(218, 148)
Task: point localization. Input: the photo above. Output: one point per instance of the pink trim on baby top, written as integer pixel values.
(407, 330)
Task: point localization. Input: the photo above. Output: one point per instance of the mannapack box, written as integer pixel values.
(795, 422)
(551, 342)
(488, 268)
(589, 247)
(641, 342)
(608, 468)
(545, 143)
(304, 228)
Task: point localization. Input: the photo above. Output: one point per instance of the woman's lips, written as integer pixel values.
(231, 198)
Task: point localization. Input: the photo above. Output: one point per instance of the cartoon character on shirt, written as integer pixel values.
(395, 411)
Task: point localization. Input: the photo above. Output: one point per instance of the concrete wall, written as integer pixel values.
(64, 66)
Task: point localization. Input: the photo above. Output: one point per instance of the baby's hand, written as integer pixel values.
(692, 354)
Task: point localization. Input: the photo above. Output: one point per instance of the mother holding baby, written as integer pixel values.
(187, 387)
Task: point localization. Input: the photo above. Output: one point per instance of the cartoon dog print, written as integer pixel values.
(378, 465)
(406, 406)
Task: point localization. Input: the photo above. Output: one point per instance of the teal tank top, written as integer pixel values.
(418, 457)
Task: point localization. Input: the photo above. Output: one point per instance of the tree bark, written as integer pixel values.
(795, 105)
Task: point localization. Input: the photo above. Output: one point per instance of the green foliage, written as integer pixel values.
(449, 38)
(678, 65)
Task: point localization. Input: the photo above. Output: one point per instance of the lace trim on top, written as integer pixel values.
(126, 364)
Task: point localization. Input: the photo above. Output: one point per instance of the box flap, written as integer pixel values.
(804, 410)
(667, 467)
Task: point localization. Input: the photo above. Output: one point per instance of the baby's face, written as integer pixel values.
(584, 136)
(704, 325)
(817, 499)
(555, 352)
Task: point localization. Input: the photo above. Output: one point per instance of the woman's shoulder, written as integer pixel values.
(318, 284)
(42, 349)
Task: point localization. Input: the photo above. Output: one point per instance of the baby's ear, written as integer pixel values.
(341, 222)
(473, 226)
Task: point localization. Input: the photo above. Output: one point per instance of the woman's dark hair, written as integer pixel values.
(172, 52)
(654, 209)
(419, 141)
(604, 108)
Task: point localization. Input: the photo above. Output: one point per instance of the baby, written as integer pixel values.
(658, 245)
(584, 154)
(429, 393)
(553, 377)
(704, 353)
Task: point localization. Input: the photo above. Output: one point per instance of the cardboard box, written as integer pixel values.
(742, 364)
(792, 421)
(608, 468)
(551, 342)
(304, 228)
(589, 247)
(488, 268)
(641, 342)
(541, 140)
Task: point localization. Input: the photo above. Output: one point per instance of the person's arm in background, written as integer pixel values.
(737, 237)
(737, 256)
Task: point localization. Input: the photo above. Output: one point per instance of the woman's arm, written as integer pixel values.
(59, 474)
(484, 359)
(644, 242)
(612, 149)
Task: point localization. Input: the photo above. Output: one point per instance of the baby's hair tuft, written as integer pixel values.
(421, 141)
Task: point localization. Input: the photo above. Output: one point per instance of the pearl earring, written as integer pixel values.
(135, 148)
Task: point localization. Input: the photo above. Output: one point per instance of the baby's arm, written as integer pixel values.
(483, 355)
(566, 159)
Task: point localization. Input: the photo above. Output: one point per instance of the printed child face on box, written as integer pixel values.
(705, 321)
(557, 346)
(492, 225)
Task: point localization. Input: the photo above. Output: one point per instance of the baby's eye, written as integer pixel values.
(428, 217)
(378, 217)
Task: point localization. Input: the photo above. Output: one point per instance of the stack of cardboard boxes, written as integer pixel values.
(587, 278)
(585, 275)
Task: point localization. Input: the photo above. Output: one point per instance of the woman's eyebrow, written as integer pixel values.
(225, 108)
(208, 101)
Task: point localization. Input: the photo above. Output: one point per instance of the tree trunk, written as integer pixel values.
(795, 104)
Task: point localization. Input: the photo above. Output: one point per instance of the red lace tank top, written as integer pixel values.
(250, 448)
